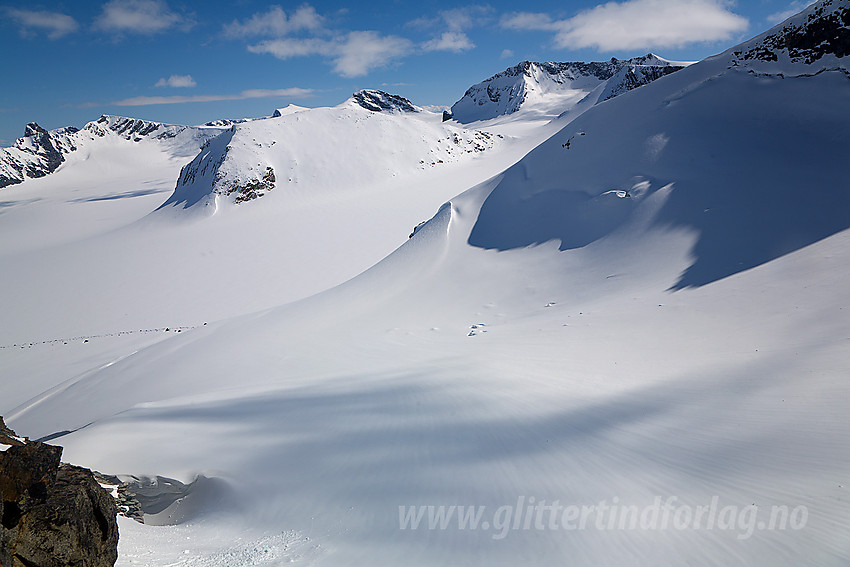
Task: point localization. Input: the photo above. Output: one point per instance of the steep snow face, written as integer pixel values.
(39, 152)
(553, 88)
(765, 176)
(367, 141)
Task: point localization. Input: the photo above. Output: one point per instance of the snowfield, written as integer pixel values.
(648, 306)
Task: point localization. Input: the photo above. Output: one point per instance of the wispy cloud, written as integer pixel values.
(276, 23)
(352, 55)
(362, 51)
(176, 81)
(294, 92)
(453, 24)
(637, 24)
(507, 54)
(145, 17)
(793, 9)
(456, 41)
(55, 24)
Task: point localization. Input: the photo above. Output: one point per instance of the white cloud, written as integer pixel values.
(294, 47)
(507, 54)
(793, 9)
(521, 21)
(456, 41)
(294, 92)
(453, 22)
(638, 24)
(352, 55)
(176, 81)
(276, 23)
(362, 51)
(465, 17)
(138, 16)
(54, 23)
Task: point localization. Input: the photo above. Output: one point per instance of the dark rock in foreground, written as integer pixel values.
(53, 514)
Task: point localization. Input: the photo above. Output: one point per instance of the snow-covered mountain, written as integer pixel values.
(818, 39)
(557, 87)
(646, 312)
(40, 152)
(369, 140)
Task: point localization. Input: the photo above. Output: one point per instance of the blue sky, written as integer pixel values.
(188, 61)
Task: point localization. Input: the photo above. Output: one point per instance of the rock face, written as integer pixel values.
(52, 514)
(36, 154)
(820, 31)
(379, 101)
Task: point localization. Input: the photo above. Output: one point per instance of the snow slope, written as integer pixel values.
(374, 138)
(89, 262)
(656, 310)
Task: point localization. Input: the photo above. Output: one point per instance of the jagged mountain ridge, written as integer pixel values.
(557, 86)
(40, 152)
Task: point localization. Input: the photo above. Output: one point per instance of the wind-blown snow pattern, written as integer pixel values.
(542, 87)
(646, 326)
(39, 152)
(373, 138)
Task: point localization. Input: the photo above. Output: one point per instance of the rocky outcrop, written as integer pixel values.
(53, 514)
(36, 154)
(252, 188)
(821, 30)
(8, 437)
(633, 76)
(379, 101)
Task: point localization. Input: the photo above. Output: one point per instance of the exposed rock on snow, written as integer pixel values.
(561, 85)
(820, 31)
(161, 500)
(253, 188)
(53, 514)
(379, 101)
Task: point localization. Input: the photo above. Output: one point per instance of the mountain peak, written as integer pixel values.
(552, 87)
(380, 101)
(32, 129)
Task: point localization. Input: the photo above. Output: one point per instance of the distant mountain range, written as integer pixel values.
(40, 152)
(548, 87)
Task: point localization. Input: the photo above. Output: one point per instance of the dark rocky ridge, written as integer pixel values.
(40, 152)
(824, 31)
(52, 514)
(378, 101)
